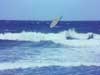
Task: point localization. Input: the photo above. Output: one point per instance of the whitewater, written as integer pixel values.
(58, 38)
(29, 57)
(55, 49)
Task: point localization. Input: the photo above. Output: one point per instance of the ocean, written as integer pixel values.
(33, 48)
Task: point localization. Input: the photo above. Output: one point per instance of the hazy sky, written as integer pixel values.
(49, 9)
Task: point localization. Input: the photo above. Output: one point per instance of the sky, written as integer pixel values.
(49, 9)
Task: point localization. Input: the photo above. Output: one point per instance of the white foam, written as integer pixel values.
(24, 65)
(59, 38)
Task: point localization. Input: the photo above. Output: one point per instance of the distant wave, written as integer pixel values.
(80, 39)
(55, 70)
(24, 65)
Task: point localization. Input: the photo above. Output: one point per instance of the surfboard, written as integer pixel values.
(55, 22)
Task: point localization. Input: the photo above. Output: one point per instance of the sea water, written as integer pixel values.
(33, 48)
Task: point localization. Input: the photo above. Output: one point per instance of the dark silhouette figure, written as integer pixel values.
(90, 36)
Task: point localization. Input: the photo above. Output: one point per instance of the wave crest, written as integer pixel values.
(17, 65)
(79, 39)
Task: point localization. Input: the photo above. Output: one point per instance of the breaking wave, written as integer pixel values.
(79, 39)
(24, 65)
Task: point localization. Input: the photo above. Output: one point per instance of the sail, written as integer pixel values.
(55, 22)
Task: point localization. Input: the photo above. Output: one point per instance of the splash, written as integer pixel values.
(79, 39)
